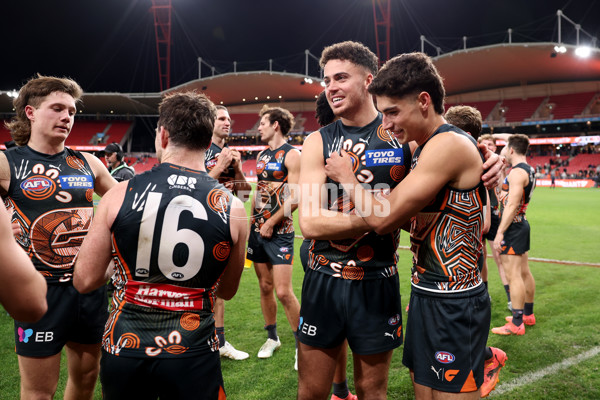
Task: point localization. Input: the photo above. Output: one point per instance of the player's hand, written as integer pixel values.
(236, 161)
(266, 230)
(339, 167)
(498, 243)
(224, 159)
(492, 168)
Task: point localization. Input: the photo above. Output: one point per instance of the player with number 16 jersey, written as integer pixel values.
(175, 293)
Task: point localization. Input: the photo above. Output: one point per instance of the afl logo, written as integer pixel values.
(211, 164)
(260, 167)
(395, 320)
(38, 187)
(444, 357)
(177, 275)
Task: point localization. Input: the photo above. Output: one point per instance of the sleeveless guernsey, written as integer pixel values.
(380, 162)
(527, 191)
(446, 235)
(272, 189)
(51, 197)
(171, 243)
(210, 160)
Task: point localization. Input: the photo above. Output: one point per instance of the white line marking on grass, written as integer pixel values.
(535, 259)
(537, 375)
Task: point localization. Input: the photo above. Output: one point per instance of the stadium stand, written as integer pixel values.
(582, 162)
(145, 165)
(568, 105)
(85, 133)
(116, 131)
(484, 107)
(241, 123)
(518, 110)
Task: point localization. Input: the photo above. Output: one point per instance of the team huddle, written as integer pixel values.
(173, 241)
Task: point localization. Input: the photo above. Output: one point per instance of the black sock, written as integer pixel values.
(488, 353)
(221, 335)
(341, 389)
(528, 309)
(296, 337)
(507, 290)
(272, 331)
(517, 317)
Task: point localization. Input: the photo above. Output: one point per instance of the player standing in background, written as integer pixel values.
(271, 241)
(225, 165)
(512, 240)
(177, 238)
(49, 188)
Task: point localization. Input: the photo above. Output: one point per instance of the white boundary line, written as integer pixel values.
(537, 375)
(534, 259)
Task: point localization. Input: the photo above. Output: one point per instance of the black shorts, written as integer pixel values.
(366, 312)
(516, 238)
(71, 317)
(494, 224)
(279, 249)
(446, 336)
(304, 253)
(197, 377)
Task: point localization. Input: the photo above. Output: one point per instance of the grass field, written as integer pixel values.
(565, 226)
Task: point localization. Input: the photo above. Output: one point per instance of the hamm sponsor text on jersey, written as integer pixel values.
(164, 296)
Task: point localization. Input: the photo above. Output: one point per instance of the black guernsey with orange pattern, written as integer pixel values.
(379, 162)
(527, 191)
(171, 243)
(210, 160)
(51, 198)
(272, 189)
(446, 235)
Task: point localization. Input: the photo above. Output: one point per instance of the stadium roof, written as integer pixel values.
(470, 70)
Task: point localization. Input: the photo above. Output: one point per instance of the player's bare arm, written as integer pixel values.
(492, 167)
(95, 253)
(437, 167)
(103, 180)
(4, 174)
(316, 221)
(242, 187)
(22, 288)
(230, 279)
(223, 161)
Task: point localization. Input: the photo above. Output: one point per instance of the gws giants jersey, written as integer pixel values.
(210, 160)
(51, 197)
(527, 191)
(446, 235)
(380, 162)
(171, 243)
(272, 189)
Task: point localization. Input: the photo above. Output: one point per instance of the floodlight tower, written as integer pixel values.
(161, 9)
(381, 15)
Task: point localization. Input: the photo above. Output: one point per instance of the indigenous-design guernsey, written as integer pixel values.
(171, 243)
(272, 189)
(210, 160)
(527, 192)
(51, 198)
(446, 235)
(379, 162)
